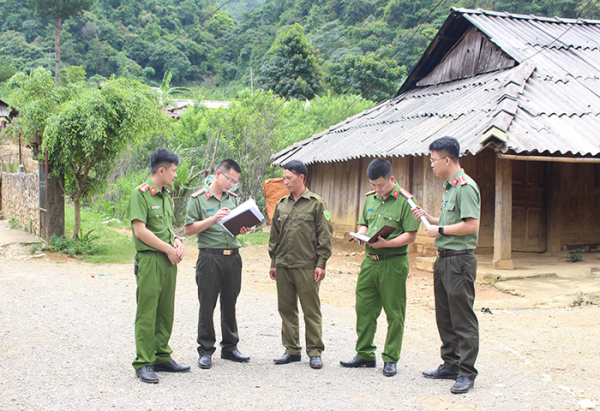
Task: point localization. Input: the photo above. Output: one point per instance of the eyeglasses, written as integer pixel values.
(432, 160)
(231, 180)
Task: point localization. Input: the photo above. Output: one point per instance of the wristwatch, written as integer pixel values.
(441, 230)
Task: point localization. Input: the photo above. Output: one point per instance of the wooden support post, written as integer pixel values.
(553, 237)
(503, 216)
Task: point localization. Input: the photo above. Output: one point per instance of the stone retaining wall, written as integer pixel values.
(20, 200)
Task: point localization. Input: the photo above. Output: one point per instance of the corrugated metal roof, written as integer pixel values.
(549, 102)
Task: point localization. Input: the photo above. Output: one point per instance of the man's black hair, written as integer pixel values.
(229, 164)
(297, 167)
(448, 144)
(162, 158)
(380, 167)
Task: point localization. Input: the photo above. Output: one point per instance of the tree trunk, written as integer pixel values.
(57, 50)
(77, 228)
(56, 205)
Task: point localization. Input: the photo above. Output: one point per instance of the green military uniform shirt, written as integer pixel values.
(461, 200)
(155, 209)
(202, 205)
(301, 232)
(393, 211)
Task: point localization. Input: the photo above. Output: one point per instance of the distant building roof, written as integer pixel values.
(542, 94)
(176, 106)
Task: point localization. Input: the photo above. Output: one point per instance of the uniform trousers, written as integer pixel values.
(295, 284)
(454, 289)
(381, 284)
(155, 296)
(218, 275)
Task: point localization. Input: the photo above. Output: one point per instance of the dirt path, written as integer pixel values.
(66, 343)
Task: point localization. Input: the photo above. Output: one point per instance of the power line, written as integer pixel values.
(375, 8)
(400, 51)
(584, 10)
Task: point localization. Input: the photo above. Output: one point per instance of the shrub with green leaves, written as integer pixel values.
(83, 245)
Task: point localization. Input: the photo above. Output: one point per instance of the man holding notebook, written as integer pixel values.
(382, 279)
(219, 265)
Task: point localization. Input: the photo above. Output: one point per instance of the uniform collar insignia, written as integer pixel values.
(153, 190)
(454, 182)
(396, 194)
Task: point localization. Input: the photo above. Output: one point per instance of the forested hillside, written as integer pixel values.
(214, 45)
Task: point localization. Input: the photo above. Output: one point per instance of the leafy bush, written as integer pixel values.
(83, 245)
(35, 247)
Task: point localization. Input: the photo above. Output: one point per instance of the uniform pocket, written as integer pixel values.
(390, 219)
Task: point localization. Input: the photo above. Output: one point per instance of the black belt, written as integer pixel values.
(382, 256)
(153, 252)
(450, 253)
(223, 251)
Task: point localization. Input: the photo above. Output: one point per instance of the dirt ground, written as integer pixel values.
(530, 358)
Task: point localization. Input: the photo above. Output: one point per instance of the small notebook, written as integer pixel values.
(245, 215)
(384, 232)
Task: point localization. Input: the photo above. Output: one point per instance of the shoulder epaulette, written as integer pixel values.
(144, 187)
(231, 193)
(462, 180)
(370, 192)
(406, 194)
(197, 193)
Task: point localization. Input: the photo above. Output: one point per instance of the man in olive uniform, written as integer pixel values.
(382, 278)
(219, 265)
(158, 253)
(455, 233)
(300, 246)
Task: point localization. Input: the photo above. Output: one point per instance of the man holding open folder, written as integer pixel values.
(219, 265)
(382, 279)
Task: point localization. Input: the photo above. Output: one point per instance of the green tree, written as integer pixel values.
(221, 21)
(373, 76)
(61, 10)
(292, 70)
(37, 98)
(87, 133)
(72, 74)
(7, 70)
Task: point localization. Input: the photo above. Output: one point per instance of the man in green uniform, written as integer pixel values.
(455, 233)
(219, 265)
(300, 246)
(383, 273)
(158, 253)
